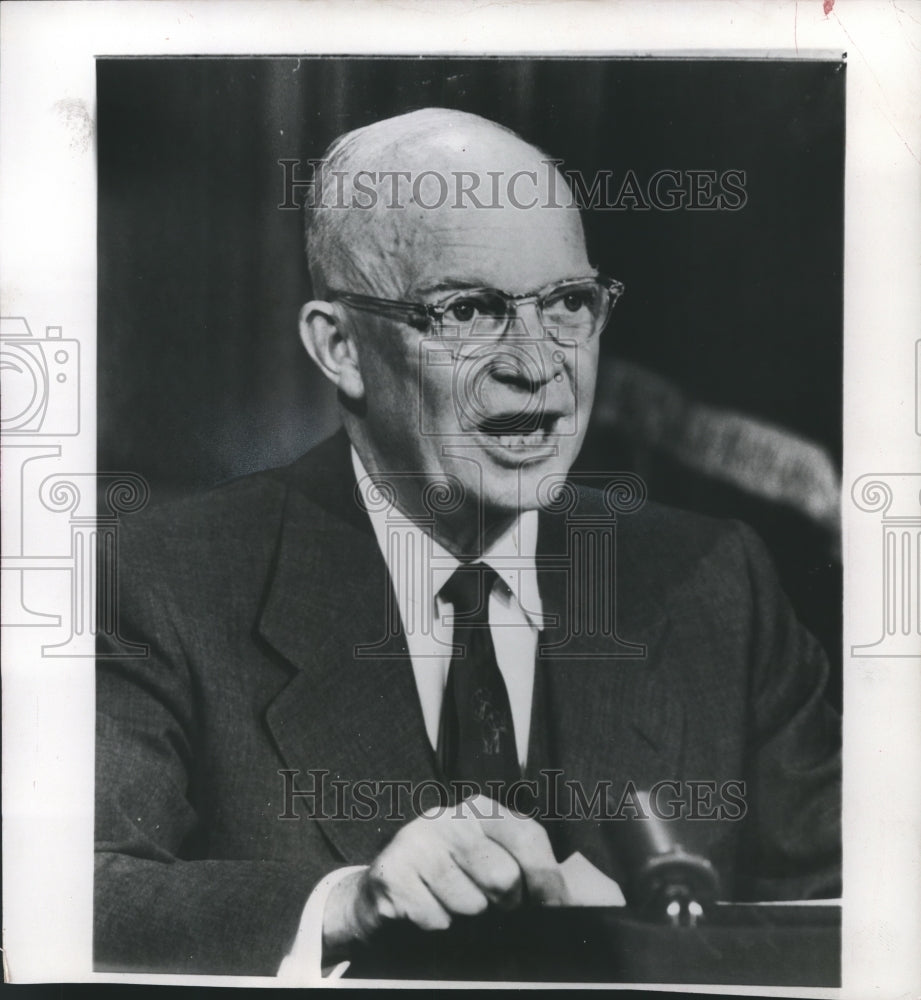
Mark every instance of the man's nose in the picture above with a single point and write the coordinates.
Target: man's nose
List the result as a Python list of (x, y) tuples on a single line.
[(527, 322), (528, 357)]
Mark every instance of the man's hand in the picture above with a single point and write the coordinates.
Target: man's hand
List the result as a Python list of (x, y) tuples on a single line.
[(442, 865)]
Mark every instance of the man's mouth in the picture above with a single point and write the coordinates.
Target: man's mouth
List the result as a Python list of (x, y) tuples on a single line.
[(522, 432)]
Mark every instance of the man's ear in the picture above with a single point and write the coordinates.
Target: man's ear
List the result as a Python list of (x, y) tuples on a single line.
[(332, 348)]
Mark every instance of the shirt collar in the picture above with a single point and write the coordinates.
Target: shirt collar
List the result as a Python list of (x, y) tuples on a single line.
[(512, 555)]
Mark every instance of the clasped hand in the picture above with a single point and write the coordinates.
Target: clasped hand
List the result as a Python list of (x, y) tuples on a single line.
[(443, 864)]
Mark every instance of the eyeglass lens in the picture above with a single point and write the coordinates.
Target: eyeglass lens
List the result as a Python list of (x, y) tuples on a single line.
[(577, 309)]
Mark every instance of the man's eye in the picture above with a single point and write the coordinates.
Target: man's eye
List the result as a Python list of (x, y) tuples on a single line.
[(575, 304), (472, 307), (461, 312), (573, 301)]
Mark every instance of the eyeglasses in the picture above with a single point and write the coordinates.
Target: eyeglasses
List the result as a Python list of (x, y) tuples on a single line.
[(576, 310)]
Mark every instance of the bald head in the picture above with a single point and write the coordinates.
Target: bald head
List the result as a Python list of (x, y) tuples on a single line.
[(390, 192)]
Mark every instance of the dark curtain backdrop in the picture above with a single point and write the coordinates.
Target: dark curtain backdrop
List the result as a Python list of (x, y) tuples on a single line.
[(201, 373)]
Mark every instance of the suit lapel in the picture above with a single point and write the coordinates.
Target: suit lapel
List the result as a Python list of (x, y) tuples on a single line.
[(351, 713), (606, 713)]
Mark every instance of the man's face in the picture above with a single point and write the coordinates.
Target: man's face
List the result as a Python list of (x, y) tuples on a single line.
[(497, 417)]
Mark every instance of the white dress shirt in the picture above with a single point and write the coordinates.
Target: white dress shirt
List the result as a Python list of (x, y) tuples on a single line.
[(419, 567)]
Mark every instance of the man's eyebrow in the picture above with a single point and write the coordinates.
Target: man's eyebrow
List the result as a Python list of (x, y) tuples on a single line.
[(459, 284), (452, 285)]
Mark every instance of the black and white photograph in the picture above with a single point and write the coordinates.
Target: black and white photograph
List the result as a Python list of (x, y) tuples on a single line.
[(329, 726), (455, 583)]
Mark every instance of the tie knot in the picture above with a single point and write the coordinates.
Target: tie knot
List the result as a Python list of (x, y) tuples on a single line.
[(468, 589)]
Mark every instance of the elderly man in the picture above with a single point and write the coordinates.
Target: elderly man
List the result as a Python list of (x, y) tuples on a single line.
[(396, 615)]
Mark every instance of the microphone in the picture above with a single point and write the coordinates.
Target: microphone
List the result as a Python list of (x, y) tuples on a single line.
[(665, 883)]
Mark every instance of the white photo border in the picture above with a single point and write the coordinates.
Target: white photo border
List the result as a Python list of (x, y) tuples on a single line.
[(48, 271)]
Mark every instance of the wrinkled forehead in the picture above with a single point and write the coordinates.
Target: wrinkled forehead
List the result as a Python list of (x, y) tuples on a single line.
[(515, 249), (471, 206)]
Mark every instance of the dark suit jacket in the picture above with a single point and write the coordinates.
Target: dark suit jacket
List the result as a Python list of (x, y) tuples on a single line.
[(252, 599)]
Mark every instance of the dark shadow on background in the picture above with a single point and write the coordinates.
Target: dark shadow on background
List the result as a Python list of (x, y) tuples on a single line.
[(201, 373)]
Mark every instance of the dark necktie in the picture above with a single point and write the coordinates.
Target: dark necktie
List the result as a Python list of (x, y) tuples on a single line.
[(476, 741)]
